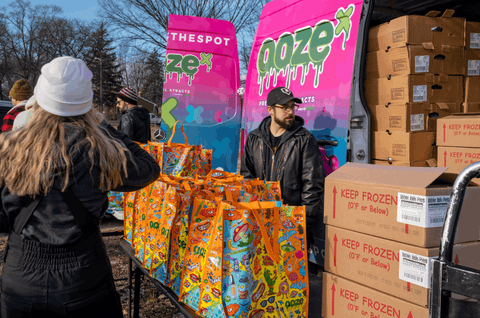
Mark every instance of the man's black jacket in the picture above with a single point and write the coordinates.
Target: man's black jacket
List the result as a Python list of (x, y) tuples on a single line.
[(296, 163), (135, 123)]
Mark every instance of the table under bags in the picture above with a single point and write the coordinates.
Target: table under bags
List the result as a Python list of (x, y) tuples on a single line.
[(227, 247)]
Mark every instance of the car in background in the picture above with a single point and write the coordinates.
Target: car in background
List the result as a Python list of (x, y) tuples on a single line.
[(154, 119)]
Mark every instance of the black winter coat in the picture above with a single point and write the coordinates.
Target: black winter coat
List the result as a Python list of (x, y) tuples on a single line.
[(135, 123), (52, 222), (296, 163)]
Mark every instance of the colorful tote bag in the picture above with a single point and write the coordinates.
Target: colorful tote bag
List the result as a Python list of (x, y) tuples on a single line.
[(264, 264), (156, 199), (176, 156), (140, 222), (115, 202), (129, 207), (159, 269), (201, 233), (178, 242)]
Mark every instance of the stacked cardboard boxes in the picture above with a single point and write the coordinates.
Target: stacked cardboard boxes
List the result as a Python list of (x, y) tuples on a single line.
[(383, 227), (472, 68), (458, 141), (415, 69)]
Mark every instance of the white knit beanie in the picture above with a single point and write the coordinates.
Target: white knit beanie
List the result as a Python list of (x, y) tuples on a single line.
[(65, 87)]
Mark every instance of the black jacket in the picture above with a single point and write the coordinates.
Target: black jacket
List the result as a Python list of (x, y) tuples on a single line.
[(52, 222), (296, 164), (135, 123)]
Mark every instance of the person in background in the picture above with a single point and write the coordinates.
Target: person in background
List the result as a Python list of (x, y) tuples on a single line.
[(54, 177), (22, 119), (135, 122), (280, 149), (19, 94)]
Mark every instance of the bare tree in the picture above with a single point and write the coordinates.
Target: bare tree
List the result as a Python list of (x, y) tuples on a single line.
[(32, 36), (133, 63), (146, 21)]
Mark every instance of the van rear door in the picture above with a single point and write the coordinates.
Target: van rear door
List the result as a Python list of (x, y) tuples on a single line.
[(202, 76), (307, 46)]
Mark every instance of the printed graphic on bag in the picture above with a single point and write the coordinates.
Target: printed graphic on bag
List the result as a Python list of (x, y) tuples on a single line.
[(175, 158), (198, 164), (178, 242), (115, 202), (260, 278), (199, 236), (129, 204), (211, 290), (156, 201), (160, 256), (141, 222)]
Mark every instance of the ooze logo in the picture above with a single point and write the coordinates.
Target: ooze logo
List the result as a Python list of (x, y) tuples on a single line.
[(188, 64), (307, 46)]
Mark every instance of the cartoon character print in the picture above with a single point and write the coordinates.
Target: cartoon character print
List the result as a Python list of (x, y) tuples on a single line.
[(165, 222), (178, 243), (210, 296), (286, 283), (174, 158), (141, 222), (239, 280), (202, 226), (156, 198), (252, 279), (129, 204)]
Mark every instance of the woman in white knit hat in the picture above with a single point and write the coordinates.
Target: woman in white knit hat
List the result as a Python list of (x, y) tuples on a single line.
[(54, 177)]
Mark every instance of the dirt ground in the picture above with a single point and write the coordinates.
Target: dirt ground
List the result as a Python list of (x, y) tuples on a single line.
[(152, 303)]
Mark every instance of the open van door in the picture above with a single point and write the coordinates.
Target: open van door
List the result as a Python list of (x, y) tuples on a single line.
[(202, 76), (307, 46)]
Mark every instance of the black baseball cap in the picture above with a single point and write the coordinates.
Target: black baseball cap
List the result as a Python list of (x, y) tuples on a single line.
[(281, 96)]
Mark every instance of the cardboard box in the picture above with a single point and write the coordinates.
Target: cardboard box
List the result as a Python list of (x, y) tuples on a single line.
[(414, 29), (458, 158), (423, 163), (416, 59), (472, 89), (395, 268), (472, 62), (403, 146), (404, 204), (426, 89), (470, 108), (472, 35), (410, 117), (472, 95), (459, 130), (344, 298)]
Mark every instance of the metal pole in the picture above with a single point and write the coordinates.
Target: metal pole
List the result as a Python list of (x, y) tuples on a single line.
[(136, 293), (129, 287), (453, 211)]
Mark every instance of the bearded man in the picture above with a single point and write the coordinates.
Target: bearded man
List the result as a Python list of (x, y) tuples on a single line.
[(280, 149), (135, 121)]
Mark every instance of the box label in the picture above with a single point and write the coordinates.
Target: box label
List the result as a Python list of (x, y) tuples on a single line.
[(395, 121), (397, 93), (414, 268), (475, 40), (422, 63), (422, 211), (398, 36), (419, 93), (417, 122), (399, 150), (399, 65), (473, 67)]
